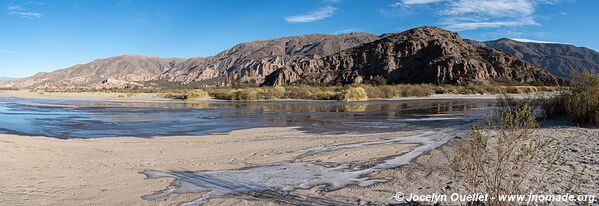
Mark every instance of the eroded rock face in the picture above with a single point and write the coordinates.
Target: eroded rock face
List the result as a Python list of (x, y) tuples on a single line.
[(249, 63), (244, 64), (121, 68), (420, 55)]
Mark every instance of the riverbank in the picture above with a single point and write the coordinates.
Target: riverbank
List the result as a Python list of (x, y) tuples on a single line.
[(159, 97), (108, 171)]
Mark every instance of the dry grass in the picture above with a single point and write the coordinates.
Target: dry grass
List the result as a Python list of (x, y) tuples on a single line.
[(501, 163), (195, 94), (581, 103), (319, 92), (353, 94)]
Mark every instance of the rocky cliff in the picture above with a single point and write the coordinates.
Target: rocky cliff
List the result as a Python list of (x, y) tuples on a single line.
[(246, 63), (560, 59), (420, 55), (120, 71)]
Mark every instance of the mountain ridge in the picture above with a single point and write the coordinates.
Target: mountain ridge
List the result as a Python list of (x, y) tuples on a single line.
[(559, 59), (420, 55), (245, 64)]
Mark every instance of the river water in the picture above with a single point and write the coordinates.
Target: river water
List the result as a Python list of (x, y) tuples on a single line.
[(432, 123), (94, 119)]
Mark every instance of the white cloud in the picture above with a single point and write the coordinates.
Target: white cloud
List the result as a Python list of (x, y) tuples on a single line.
[(316, 15), (416, 2), (535, 41), (345, 31), (471, 25), (22, 12), (475, 14)]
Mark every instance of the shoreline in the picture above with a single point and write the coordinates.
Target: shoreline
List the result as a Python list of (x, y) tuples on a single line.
[(157, 97), (109, 171)]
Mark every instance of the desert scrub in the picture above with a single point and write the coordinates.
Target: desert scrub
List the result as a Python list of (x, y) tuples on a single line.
[(353, 94), (581, 103), (503, 157), (420, 90), (195, 94)]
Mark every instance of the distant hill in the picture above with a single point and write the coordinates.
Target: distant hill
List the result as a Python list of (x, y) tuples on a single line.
[(120, 71), (559, 59), (420, 55), (246, 63), (5, 79)]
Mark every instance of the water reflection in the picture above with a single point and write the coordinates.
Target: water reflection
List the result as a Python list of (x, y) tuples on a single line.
[(90, 119)]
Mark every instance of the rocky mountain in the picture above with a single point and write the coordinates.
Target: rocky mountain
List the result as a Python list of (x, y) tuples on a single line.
[(246, 63), (120, 71), (559, 59), (420, 55)]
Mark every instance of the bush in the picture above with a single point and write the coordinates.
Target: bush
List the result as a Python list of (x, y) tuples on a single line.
[(581, 103), (501, 163), (421, 90), (173, 95), (196, 94), (353, 94)]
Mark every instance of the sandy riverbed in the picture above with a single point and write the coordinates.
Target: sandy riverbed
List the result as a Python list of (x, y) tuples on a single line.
[(106, 171)]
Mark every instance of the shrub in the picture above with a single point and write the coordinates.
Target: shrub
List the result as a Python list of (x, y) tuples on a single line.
[(298, 93), (501, 163), (173, 95), (353, 94), (421, 90), (184, 94), (581, 103), (196, 94)]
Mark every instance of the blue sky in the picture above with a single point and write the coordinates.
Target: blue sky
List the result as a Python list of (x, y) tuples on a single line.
[(47, 35)]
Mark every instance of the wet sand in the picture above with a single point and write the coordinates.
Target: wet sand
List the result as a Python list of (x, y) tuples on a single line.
[(107, 171)]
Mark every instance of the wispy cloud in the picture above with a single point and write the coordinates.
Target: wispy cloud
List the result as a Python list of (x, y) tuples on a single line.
[(345, 31), (18, 10), (5, 51), (475, 14), (535, 41), (316, 15)]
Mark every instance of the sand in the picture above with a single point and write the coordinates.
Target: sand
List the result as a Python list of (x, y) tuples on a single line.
[(137, 97), (106, 171)]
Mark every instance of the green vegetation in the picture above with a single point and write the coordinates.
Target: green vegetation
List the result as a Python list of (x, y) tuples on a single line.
[(580, 103), (9, 89)]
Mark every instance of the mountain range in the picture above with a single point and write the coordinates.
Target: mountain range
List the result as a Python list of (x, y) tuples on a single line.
[(559, 59), (420, 55)]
